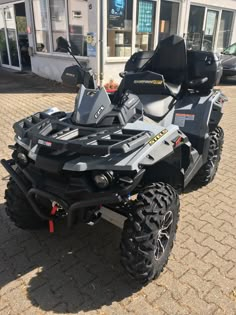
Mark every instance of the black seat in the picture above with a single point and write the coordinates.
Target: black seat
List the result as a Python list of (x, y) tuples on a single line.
[(158, 82), (170, 60), (156, 106)]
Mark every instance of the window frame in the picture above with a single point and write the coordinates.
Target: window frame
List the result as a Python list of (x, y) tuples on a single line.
[(179, 20), (232, 24), (52, 53), (123, 59), (210, 7), (155, 26), (114, 59)]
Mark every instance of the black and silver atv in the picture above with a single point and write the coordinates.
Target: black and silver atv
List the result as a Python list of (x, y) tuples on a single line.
[(129, 152)]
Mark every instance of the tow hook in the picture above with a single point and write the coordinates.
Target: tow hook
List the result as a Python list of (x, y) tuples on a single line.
[(55, 207)]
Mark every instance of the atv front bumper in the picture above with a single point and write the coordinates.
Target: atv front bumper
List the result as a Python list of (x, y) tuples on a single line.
[(94, 200)]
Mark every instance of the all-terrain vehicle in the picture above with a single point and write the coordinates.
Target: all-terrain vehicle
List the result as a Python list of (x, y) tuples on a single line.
[(132, 152)]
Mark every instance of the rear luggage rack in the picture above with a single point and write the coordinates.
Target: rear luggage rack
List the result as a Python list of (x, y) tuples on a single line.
[(50, 132)]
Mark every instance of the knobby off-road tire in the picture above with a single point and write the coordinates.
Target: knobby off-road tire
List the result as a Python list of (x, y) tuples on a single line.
[(19, 210), (208, 171), (149, 232)]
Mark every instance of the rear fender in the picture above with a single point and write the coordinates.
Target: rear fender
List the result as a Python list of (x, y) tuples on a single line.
[(217, 110), (196, 115)]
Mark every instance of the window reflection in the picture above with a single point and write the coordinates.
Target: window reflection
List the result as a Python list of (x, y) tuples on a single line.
[(225, 30), (58, 22), (3, 43), (78, 26), (145, 25), (119, 28), (168, 19), (195, 27), (41, 25), (11, 36)]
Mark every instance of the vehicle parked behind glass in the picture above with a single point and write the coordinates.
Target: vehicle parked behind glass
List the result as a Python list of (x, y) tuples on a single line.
[(229, 61)]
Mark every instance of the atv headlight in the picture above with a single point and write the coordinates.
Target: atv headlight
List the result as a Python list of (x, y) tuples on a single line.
[(103, 180), (22, 158)]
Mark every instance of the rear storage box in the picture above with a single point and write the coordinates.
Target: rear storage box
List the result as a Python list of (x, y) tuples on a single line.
[(203, 64)]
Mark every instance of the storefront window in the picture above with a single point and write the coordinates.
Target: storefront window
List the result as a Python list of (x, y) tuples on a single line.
[(3, 43), (78, 26), (41, 25), (168, 19), (225, 30), (145, 25), (58, 21), (119, 28), (202, 35), (11, 36), (209, 34), (195, 27)]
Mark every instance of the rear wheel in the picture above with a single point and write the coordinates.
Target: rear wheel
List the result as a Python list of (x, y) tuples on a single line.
[(149, 232), (208, 170), (19, 210)]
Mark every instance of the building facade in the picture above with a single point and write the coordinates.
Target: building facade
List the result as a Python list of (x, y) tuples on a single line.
[(104, 33)]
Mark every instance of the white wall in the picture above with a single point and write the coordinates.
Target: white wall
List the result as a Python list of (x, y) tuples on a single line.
[(112, 70), (50, 67)]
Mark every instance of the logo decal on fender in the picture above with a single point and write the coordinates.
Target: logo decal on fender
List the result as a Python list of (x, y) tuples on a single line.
[(158, 137), (153, 82), (99, 112)]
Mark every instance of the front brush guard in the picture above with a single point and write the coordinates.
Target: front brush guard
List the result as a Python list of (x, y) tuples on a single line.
[(97, 199)]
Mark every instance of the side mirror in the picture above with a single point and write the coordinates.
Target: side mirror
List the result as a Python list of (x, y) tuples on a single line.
[(62, 44)]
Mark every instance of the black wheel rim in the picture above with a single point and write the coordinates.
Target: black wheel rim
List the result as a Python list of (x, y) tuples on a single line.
[(163, 235)]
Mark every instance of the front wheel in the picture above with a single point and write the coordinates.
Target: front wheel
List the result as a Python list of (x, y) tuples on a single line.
[(19, 210), (149, 232)]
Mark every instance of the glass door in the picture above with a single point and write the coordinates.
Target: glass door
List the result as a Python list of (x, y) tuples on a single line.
[(3, 42), (169, 16), (225, 31), (10, 55), (195, 27), (209, 34)]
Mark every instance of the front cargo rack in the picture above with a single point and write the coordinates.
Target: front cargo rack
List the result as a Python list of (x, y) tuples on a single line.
[(49, 131)]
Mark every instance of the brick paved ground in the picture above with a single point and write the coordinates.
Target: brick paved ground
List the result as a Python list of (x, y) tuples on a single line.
[(79, 272)]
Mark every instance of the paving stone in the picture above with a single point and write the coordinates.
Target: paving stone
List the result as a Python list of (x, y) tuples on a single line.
[(198, 305), (196, 264), (201, 286), (167, 303), (231, 255), (219, 248), (220, 263), (226, 284), (218, 298)]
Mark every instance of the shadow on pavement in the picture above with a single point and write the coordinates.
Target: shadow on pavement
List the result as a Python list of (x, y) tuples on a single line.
[(70, 271), (26, 82)]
